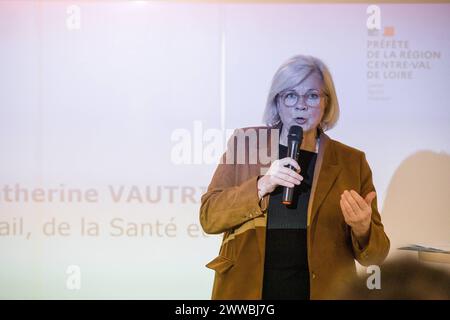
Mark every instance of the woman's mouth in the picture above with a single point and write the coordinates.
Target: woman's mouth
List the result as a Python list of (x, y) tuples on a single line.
[(300, 120)]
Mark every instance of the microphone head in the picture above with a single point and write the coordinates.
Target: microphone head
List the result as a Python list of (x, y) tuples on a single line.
[(295, 134)]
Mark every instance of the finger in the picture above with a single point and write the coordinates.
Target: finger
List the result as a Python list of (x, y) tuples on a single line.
[(287, 177), (359, 200), (343, 209), (346, 210), (369, 198), (292, 162), (276, 166), (292, 173), (352, 202), (350, 211), (284, 183)]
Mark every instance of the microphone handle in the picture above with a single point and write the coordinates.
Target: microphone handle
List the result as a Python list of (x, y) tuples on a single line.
[(292, 153)]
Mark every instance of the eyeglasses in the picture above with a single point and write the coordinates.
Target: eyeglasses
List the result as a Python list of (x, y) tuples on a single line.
[(292, 99)]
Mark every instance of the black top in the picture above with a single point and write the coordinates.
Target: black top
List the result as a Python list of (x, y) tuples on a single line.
[(286, 274)]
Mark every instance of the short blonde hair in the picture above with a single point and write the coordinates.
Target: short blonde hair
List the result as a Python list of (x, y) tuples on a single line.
[(288, 76)]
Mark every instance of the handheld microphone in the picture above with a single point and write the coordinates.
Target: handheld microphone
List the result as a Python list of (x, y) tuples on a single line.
[(295, 137)]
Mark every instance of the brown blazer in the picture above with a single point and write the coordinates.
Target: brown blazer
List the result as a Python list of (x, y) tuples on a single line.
[(231, 206)]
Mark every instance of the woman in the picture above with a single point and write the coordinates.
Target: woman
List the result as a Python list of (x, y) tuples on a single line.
[(273, 251)]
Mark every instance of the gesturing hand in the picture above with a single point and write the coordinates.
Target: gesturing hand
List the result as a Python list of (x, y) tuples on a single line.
[(357, 211), (278, 174)]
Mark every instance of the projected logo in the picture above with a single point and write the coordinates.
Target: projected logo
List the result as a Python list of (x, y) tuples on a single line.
[(391, 57)]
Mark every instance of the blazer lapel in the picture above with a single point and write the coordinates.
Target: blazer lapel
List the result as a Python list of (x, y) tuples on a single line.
[(326, 171)]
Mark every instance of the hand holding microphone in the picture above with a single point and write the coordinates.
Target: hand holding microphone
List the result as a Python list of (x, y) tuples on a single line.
[(282, 172), (279, 175)]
